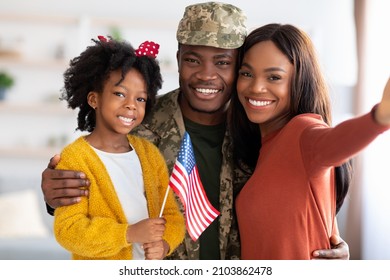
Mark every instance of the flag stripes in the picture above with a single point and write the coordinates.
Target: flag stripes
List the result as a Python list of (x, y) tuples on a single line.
[(185, 182)]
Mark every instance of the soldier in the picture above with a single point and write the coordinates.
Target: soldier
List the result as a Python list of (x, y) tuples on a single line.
[(209, 36)]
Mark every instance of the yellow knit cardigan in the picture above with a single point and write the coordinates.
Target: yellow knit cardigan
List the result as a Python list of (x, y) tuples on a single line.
[(96, 227)]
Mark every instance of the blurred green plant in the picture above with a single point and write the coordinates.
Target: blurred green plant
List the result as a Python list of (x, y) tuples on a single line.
[(6, 80), (115, 33)]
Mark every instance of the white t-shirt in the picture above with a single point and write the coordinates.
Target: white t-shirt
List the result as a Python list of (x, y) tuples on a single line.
[(126, 175)]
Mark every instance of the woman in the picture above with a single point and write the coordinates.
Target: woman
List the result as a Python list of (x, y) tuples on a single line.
[(281, 125)]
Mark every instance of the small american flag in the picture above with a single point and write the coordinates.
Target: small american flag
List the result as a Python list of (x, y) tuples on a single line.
[(185, 182)]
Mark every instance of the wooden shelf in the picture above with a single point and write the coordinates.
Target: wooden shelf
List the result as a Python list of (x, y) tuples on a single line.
[(93, 21), (36, 108), (25, 153), (37, 18), (16, 61)]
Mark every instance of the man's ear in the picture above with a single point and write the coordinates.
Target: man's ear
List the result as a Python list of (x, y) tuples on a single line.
[(92, 99), (178, 59)]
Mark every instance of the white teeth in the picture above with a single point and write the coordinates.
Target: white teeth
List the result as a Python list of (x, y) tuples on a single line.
[(259, 103), (207, 90), (128, 120)]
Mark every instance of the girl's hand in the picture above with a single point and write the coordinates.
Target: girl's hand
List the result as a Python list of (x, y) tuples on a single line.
[(382, 113), (147, 230), (156, 250)]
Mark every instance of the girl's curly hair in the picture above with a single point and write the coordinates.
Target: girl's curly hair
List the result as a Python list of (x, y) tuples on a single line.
[(91, 69)]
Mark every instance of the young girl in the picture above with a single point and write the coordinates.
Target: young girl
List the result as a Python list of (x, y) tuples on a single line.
[(281, 128), (113, 86)]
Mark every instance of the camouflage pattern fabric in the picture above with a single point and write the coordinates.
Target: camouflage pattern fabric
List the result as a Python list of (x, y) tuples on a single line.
[(164, 127), (212, 24)]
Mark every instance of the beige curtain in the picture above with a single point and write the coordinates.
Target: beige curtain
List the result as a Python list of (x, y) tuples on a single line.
[(354, 225)]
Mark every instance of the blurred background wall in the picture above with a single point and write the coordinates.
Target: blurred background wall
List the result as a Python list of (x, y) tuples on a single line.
[(38, 38)]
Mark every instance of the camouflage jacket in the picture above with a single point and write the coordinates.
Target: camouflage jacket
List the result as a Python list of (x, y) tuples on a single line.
[(164, 126)]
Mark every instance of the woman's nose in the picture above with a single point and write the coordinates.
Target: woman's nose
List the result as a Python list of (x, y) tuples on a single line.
[(259, 86)]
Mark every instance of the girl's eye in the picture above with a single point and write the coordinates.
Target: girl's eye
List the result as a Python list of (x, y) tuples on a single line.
[(141, 99), (119, 94)]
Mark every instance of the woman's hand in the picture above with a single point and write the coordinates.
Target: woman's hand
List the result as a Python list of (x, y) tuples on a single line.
[(382, 112)]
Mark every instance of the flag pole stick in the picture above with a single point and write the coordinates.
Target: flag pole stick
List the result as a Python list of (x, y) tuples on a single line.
[(165, 200)]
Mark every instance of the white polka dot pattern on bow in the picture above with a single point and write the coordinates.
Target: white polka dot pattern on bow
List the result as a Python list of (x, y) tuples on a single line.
[(148, 48)]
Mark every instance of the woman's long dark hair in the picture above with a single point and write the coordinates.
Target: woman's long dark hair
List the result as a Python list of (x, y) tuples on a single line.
[(309, 94)]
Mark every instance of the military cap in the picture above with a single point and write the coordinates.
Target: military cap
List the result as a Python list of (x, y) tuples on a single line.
[(212, 24)]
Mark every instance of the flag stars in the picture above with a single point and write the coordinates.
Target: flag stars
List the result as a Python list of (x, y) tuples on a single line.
[(186, 155)]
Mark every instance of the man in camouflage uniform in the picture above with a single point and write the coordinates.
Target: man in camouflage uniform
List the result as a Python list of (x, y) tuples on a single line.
[(219, 26), (209, 36)]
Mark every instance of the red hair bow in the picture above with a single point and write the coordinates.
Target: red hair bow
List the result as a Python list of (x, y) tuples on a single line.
[(102, 38), (148, 48)]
